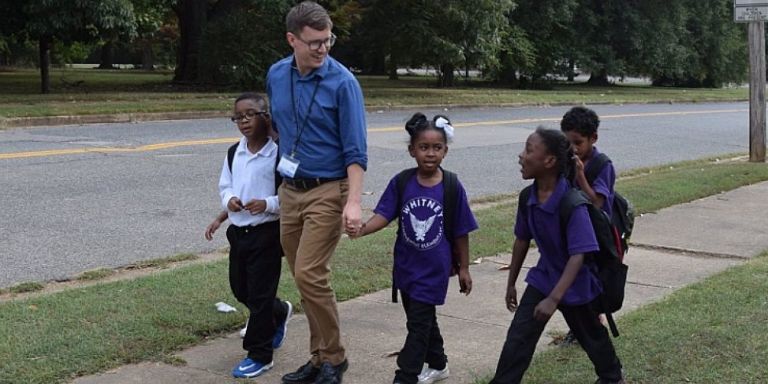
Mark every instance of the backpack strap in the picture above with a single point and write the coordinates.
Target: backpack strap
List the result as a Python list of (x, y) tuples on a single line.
[(231, 155), (450, 198), (595, 166)]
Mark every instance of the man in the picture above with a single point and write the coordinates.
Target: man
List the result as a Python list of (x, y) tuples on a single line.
[(317, 107)]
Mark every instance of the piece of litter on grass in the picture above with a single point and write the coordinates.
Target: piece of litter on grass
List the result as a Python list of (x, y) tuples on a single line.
[(392, 354), (224, 307), (504, 268)]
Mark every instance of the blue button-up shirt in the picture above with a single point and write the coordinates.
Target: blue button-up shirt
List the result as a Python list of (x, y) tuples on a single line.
[(334, 136)]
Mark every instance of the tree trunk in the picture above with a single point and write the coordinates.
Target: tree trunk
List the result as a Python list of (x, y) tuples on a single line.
[(107, 57), (571, 70), (192, 19), (44, 46), (600, 78), (392, 66), (446, 77), (147, 56)]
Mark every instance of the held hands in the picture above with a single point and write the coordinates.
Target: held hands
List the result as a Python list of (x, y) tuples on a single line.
[(465, 281), (353, 219), (545, 309)]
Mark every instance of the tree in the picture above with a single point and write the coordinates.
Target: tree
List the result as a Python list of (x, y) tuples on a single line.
[(544, 28), (73, 20)]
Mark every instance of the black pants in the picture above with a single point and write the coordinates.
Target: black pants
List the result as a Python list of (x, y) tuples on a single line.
[(424, 344), (525, 331), (254, 273)]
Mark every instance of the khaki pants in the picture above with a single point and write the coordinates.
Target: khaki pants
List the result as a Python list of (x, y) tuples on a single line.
[(310, 228)]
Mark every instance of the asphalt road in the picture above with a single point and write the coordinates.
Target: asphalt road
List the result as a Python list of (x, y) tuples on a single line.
[(81, 197)]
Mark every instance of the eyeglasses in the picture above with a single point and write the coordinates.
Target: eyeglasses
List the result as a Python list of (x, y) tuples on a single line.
[(316, 44), (247, 116)]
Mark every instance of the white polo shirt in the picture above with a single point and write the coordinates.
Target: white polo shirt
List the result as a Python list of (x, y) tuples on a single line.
[(252, 177)]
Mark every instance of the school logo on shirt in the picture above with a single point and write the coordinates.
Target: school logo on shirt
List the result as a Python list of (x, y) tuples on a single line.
[(422, 223)]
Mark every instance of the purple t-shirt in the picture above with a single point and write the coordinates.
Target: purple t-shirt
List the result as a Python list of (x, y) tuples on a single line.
[(604, 182), (422, 251), (542, 223)]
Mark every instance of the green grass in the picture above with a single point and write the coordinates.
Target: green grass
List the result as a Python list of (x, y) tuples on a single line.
[(89, 92), (55, 337)]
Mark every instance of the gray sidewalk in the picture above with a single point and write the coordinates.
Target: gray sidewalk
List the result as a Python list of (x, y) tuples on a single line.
[(672, 248)]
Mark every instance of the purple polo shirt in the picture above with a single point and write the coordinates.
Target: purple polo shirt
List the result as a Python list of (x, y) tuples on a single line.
[(542, 223), (422, 251), (604, 182)]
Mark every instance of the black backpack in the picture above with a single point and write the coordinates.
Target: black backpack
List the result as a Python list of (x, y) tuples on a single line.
[(450, 197), (231, 157), (610, 269), (622, 210)]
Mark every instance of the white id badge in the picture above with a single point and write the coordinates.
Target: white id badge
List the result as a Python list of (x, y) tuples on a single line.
[(288, 166)]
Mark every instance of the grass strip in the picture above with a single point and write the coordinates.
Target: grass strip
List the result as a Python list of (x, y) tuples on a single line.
[(89, 92), (53, 338)]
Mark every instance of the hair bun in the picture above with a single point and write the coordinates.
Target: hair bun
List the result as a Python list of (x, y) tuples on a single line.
[(416, 121)]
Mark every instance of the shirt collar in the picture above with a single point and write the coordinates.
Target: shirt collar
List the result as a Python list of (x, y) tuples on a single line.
[(554, 200), (320, 72), (265, 151)]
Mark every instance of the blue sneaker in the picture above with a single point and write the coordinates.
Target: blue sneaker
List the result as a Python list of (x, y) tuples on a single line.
[(282, 328), (249, 368)]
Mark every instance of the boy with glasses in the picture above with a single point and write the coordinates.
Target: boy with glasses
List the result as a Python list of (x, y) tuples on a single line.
[(247, 187)]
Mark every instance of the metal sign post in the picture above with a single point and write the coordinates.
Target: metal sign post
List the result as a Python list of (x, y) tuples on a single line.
[(755, 12)]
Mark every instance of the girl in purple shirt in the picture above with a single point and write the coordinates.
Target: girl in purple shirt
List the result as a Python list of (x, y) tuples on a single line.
[(423, 253), (560, 280)]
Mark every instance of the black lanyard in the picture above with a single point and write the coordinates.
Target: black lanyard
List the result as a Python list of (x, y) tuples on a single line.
[(300, 128)]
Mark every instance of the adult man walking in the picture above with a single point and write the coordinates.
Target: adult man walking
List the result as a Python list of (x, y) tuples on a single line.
[(317, 107)]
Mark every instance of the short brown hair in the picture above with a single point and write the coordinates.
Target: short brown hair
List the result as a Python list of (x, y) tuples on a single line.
[(307, 14)]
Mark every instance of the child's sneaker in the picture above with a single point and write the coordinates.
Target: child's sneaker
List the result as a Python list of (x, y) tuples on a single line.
[(429, 375), (245, 329), (249, 368), (282, 328)]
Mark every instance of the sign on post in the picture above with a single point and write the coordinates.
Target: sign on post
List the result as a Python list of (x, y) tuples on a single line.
[(750, 10)]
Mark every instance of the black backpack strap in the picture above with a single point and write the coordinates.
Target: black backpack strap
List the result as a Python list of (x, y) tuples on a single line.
[(450, 200), (401, 181), (522, 200), (231, 155), (595, 166), (572, 199)]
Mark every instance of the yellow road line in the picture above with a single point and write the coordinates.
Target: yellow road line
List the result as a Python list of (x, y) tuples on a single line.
[(188, 143), (557, 119), (143, 148)]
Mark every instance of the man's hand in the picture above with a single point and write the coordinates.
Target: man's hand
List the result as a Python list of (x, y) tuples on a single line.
[(511, 298), (465, 281), (352, 217)]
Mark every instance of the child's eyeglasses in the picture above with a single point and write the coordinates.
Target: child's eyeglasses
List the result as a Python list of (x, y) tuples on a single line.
[(247, 116), (316, 44)]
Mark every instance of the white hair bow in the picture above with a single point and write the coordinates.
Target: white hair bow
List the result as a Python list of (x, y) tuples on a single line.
[(446, 126)]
